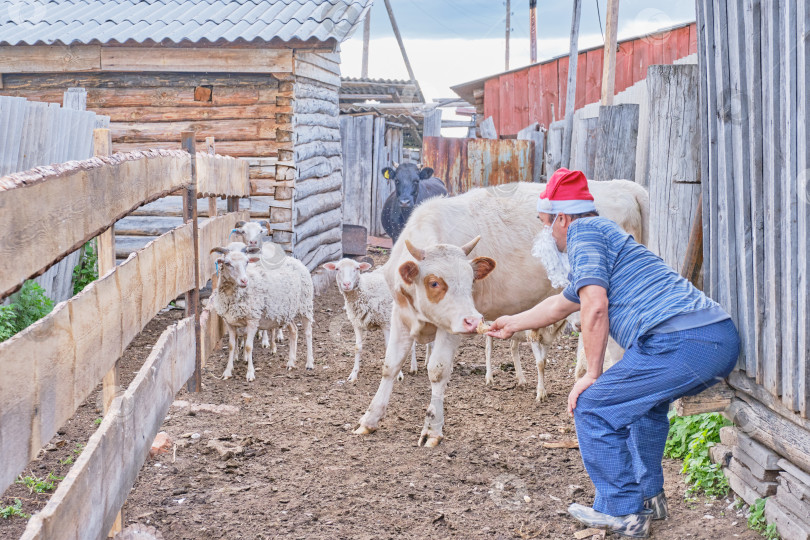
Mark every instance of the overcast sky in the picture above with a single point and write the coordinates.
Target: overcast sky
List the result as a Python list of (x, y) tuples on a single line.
[(454, 41)]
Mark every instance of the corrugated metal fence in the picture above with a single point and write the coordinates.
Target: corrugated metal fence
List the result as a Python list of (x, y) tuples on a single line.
[(34, 134)]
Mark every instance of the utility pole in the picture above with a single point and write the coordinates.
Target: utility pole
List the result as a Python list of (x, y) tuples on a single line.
[(508, 28), (366, 35), (609, 68), (532, 31), (572, 85)]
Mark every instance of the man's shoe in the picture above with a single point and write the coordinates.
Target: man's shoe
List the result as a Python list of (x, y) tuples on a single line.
[(631, 525), (658, 505)]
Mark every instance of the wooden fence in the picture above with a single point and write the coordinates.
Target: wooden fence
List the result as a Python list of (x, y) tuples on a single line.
[(51, 367), (35, 134), (754, 81)]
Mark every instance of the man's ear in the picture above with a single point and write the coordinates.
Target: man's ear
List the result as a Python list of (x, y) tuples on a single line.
[(389, 173), (482, 266), (408, 272), (425, 173)]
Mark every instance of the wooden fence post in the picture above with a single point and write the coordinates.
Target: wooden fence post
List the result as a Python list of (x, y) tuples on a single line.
[(212, 201), (105, 245), (616, 142), (193, 295)]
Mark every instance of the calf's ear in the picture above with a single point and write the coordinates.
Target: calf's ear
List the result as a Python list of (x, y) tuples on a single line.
[(426, 173), (482, 266), (389, 173), (408, 272)]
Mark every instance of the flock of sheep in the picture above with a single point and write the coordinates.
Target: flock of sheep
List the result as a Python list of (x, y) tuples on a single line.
[(262, 290)]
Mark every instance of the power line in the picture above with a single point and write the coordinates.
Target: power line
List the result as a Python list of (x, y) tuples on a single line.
[(599, 15)]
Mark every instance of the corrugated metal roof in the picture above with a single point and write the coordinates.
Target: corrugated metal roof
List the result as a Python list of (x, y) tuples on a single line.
[(69, 22)]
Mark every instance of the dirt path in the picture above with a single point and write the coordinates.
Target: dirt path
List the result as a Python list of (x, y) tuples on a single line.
[(301, 473)]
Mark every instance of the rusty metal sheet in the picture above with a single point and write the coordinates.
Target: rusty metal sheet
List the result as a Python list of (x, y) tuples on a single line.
[(467, 163), (495, 162), (447, 156)]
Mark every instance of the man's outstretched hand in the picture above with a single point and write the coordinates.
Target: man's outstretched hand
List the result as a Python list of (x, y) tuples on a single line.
[(579, 387), (503, 327)]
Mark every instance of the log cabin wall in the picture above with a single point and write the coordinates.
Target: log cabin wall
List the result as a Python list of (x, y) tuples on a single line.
[(316, 213)]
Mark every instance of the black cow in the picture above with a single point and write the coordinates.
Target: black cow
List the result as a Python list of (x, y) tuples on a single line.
[(412, 187)]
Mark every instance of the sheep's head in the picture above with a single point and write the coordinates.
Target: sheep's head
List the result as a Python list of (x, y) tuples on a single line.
[(251, 232), (348, 272), (233, 261)]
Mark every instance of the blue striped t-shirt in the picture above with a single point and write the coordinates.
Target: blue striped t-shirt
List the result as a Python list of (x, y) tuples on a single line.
[(644, 294)]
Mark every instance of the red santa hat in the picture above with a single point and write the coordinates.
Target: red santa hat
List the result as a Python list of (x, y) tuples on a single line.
[(567, 193)]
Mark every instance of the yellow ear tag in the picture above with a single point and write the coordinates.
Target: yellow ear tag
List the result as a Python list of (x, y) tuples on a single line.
[(385, 174)]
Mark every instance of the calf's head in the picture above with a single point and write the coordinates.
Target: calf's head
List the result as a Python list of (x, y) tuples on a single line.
[(438, 285), (232, 263), (348, 273), (406, 178), (250, 232)]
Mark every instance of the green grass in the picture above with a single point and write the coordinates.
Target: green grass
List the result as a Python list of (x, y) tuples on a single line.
[(39, 485), (28, 306), (690, 438), (756, 521), (86, 271), (97, 421), (13, 510)]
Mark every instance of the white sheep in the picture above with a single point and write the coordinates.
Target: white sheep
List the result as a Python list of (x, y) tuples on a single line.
[(368, 303), (252, 297), (539, 340), (251, 233)]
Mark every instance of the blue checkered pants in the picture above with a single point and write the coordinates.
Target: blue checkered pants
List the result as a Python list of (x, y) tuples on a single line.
[(621, 419)]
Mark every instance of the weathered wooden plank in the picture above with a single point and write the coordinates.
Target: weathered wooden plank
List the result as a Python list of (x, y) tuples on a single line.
[(12, 117), (189, 59), (764, 488), (80, 197), (714, 399), (786, 497), (304, 67), (799, 479), (584, 142), (616, 142), (87, 501), (326, 252), (311, 243), (147, 113), (310, 207), (803, 192), (705, 14), (227, 148), (356, 139), (331, 219), (673, 173), (787, 524), (115, 82), (49, 59), (380, 186), (219, 176), (771, 429), (537, 135), (231, 130), (741, 487)]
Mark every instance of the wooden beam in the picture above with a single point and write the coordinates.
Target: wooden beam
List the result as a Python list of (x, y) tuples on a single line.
[(532, 31), (86, 502), (50, 212), (191, 59), (609, 57), (193, 294), (49, 58), (399, 40), (572, 84), (366, 36), (508, 31)]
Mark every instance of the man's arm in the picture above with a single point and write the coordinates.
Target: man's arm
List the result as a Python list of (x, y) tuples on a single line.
[(595, 330), (552, 309)]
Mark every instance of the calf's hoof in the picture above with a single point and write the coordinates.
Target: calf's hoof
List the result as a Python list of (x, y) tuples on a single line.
[(352, 377), (521, 382), (364, 430), (400, 376), (542, 395), (310, 367), (490, 379), (251, 376), (227, 375), (430, 441)]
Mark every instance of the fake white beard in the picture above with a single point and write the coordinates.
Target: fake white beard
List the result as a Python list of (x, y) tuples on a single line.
[(556, 262)]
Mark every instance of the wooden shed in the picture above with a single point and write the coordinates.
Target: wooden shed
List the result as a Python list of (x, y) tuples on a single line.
[(262, 77)]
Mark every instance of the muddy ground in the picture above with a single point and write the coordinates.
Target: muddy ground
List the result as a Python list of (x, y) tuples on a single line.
[(301, 473)]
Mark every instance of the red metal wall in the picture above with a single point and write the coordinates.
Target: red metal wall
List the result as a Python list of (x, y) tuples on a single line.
[(516, 99)]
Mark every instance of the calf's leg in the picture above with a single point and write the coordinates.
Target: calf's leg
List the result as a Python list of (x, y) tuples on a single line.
[(386, 335), (514, 347), (540, 352), (439, 370), (399, 344)]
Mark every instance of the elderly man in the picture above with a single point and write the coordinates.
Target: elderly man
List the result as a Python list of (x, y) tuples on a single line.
[(678, 341)]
